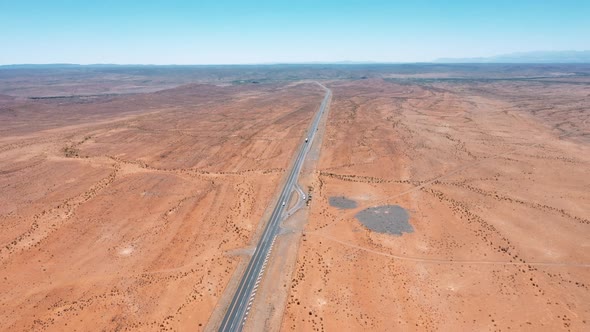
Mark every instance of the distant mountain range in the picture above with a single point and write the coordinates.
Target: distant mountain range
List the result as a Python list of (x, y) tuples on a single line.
[(521, 57), (527, 57)]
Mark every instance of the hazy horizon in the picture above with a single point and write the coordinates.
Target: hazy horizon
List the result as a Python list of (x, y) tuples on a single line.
[(554, 57), (271, 32)]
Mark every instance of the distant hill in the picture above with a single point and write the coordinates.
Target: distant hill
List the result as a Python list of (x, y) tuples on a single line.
[(527, 57), (40, 66)]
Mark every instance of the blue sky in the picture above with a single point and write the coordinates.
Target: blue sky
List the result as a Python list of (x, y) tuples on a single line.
[(211, 32)]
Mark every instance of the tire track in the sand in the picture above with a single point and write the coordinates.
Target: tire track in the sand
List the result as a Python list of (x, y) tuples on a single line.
[(416, 188), (447, 261)]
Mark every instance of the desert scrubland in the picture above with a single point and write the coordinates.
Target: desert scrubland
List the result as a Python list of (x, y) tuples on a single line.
[(494, 177), (123, 212), (445, 197)]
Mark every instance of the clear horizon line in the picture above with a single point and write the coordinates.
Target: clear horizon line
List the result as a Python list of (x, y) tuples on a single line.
[(434, 62), (212, 64), (439, 60)]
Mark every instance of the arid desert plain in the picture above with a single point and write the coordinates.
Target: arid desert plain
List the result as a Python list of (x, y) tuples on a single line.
[(438, 197)]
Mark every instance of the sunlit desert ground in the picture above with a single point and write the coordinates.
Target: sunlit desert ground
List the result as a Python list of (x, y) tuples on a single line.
[(130, 199), (494, 177), (123, 212)]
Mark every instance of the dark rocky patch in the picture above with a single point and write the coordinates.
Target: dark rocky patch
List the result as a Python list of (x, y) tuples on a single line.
[(342, 202), (390, 219)]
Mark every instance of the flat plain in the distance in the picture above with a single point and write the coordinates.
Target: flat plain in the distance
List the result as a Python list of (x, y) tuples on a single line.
[(129, 196)]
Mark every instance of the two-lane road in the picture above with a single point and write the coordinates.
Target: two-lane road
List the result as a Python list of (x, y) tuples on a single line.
[(239, 307)]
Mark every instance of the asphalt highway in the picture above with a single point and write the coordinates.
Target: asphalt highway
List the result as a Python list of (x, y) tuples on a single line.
[(235, 316)]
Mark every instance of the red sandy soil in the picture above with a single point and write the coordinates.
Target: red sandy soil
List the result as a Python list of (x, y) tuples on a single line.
[(129, 212), (495, 179), (118, 212)]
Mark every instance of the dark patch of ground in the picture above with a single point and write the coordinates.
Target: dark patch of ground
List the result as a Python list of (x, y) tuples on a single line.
[(390, 219), (342, 202)]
